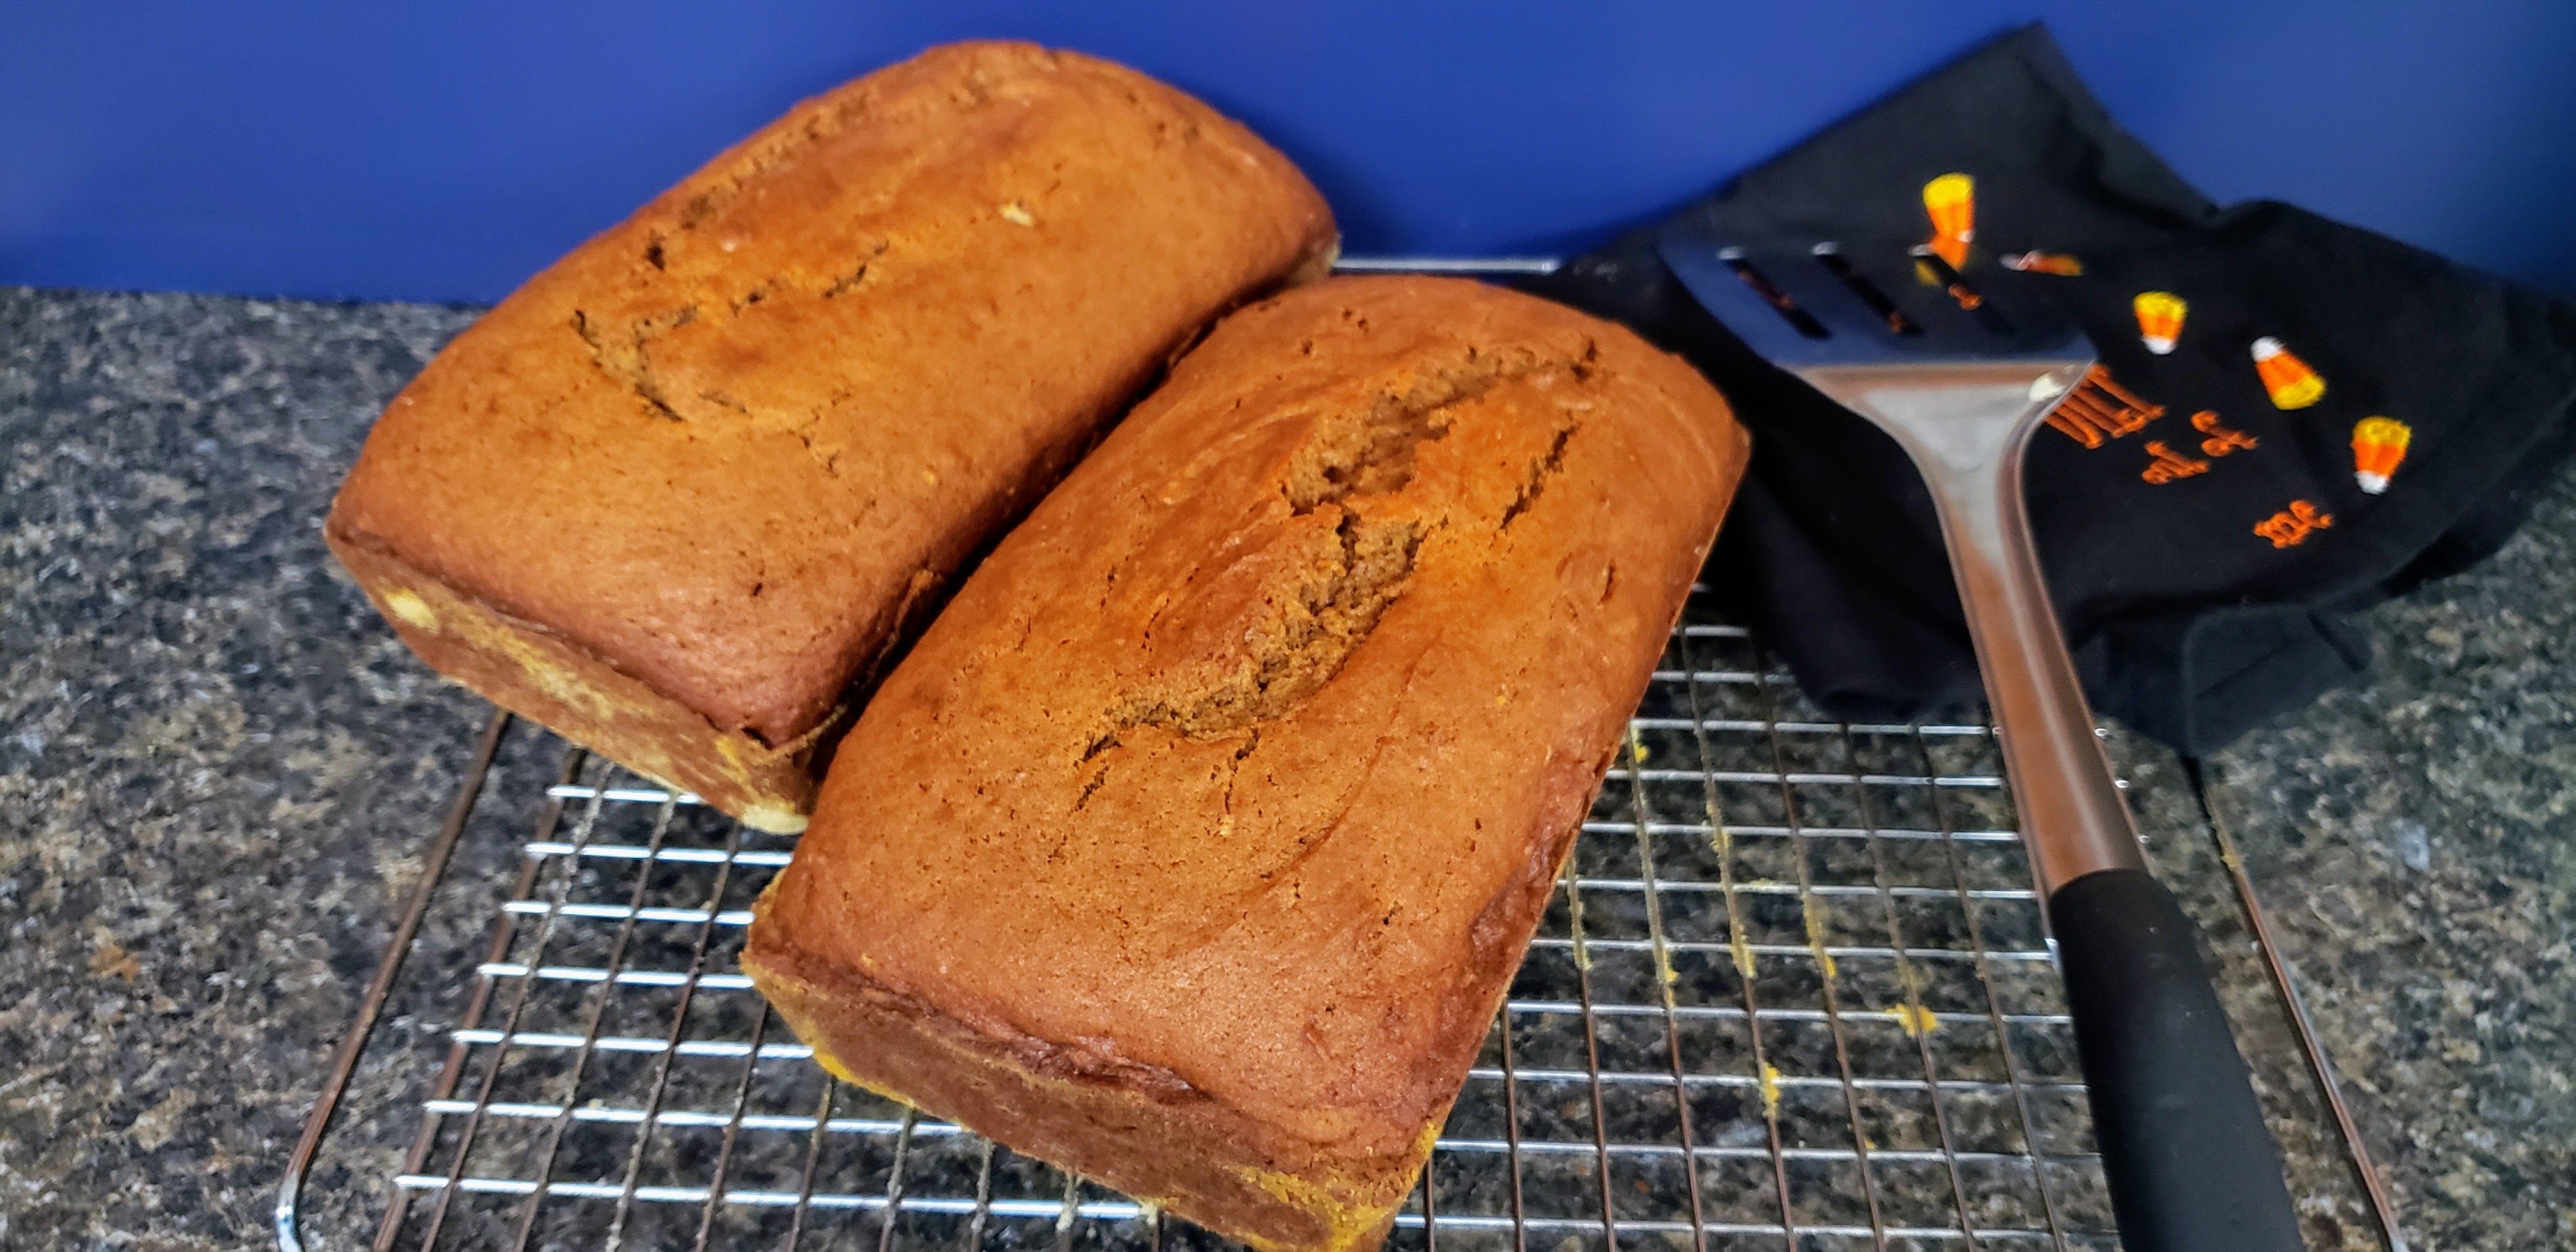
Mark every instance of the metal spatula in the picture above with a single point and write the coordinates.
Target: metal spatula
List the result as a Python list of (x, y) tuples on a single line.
[(1961, 378)]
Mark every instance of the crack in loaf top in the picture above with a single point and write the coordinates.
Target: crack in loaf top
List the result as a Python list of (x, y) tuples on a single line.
[(715, 440), (1231, 762)]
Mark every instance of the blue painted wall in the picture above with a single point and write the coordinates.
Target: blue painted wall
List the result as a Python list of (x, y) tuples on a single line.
[(443, 151)]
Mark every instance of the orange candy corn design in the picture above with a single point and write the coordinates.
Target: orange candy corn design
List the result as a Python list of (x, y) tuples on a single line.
[(2160, 315), (2043, 263), (1951, 199), (2292, 384), (2378, 445)]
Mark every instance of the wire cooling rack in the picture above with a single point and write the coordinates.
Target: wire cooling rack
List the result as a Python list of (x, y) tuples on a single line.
[(1792, 993)]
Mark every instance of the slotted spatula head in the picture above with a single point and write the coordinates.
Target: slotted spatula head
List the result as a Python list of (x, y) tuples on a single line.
[(1872, 302), (1891, 331)]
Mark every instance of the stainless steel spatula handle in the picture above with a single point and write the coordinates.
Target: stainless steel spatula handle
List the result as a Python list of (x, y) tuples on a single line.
[(2191, 1166), (1965, 425)]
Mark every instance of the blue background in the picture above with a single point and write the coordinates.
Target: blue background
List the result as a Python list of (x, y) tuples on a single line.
[(444, 151)]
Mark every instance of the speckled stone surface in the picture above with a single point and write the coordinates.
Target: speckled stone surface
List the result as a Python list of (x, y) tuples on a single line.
[(217, 770), (215, 765), (2415, 842)]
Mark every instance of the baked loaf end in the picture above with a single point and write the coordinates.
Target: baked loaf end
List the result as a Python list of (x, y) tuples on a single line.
[(679, 496), (1195, 844)]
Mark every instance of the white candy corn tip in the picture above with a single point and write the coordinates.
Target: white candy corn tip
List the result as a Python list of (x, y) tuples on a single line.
[(2372, 483), (2161, 345), (2266, 348)]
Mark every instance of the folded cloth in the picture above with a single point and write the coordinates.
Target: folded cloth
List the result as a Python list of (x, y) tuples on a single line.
[(2293, 419)]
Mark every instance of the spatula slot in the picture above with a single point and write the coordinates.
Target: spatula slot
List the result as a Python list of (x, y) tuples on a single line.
[(1867, 292), (1961, 289), (1802, 321)]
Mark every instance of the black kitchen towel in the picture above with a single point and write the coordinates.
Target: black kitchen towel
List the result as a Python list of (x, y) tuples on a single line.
[(2293, 419)]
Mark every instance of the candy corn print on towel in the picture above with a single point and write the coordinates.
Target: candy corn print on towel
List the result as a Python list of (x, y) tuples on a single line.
[(2293, 419)]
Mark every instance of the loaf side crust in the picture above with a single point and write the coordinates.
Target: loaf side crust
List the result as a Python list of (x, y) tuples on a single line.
[(540, 675), (1195, 845), (1137, 1130)]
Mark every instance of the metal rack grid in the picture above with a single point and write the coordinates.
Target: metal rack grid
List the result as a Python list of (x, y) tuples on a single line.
[(1792, 993)]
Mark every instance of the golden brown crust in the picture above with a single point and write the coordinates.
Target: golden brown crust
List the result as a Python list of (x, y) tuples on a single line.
[(538, 674), (1230, 787), (718, 447)]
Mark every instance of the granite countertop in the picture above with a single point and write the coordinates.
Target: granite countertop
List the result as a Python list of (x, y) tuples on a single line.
[(217, 770)]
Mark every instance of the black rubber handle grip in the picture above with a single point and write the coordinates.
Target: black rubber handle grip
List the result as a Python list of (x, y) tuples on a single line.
[(2191, 1166)]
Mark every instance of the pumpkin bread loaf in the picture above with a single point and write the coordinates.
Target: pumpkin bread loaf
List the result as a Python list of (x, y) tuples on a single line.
[(680, 495), (1195, 844)]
